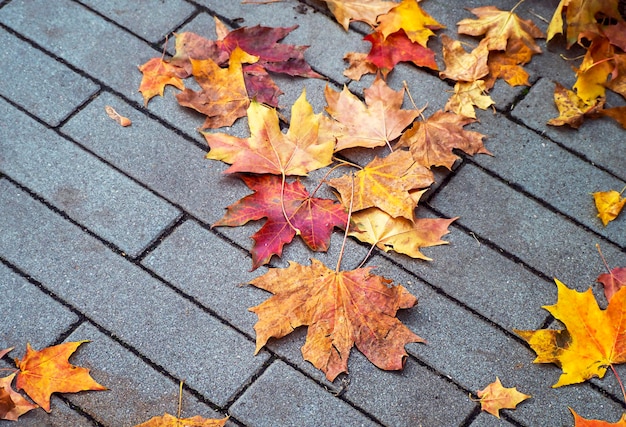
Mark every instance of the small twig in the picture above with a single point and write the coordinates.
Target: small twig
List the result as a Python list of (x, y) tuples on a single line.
[(180, 400), (345, 235), (619, 381)]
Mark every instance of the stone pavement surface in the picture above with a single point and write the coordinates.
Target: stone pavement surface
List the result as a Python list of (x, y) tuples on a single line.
[(105, 232)]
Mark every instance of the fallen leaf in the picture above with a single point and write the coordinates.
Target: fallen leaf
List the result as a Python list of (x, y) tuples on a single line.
[(157, 74), (495, 397), (224, 97), (358, 10), (593, 339), (400, 235), (618, 82), (616, 34), (121, 120), (374, 123), (358, 65), (268, 149), (48, 371), (167, 420), (572, 109), (410, 17), (20, 405), (6, 403), (613, 281), (583, 422), (592, 75), (499, 27), (431, 142), (385, 183), (463, 66), (341, 309), (616, 113), (609, 205), (468, 95), (386, 52), (581, 16), (313, 218), (507, 65)]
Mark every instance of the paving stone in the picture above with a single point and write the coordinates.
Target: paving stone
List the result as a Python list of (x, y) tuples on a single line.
[(152, 20), (523, 227), (172, 166), (76, 182), (38, 83), (487, 420), (483, 279), (598, 140), (551, 174), (124, 299), (136, 392), (297, 401), (89, 43), (473, 352), (31, 316)]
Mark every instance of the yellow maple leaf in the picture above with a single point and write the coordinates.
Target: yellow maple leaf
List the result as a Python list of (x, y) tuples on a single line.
[(581, 16), (593, 339), (609, 205), (495, 397), (358, 10), (594, 71), (463, 66), (466, 96), (410, 17), (572, 109)]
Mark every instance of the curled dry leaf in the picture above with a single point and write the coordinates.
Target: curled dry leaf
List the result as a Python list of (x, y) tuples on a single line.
[(572, 109), (609, 205), (341, 309), (20, 405), (580, 16), (121, 120), (495, 397)]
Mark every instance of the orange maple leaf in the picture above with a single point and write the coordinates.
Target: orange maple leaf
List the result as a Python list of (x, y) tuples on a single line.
[(167, 420), (499, 27), (385, 183), (157, 74), (358, 10), (19, 406), (583, 422), (593, 340), (507, 65), (400, 235), (463, 66), (431, 141), (268, 150), (572, 109), (224, 97), (495, 397), (468, 95), (341, 309), (376, 123), (410, 17), (609, 205), (48, 371), (358, 65)]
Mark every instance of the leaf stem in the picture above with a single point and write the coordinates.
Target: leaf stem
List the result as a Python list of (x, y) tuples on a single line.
[(282, 203), (345, 235), (619, 381), (603, 260), (331, 171), (518, 3), (180, 399)]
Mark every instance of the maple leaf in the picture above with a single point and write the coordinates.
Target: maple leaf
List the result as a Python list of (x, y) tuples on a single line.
[(594, 70), (495, 397), (386, 52), (401, 235), (48, 371), (358, 65), (223, 98), (616, 113), (431, 141), (358, 10), (572, 109), (6, 404), (613, 281), (287, 209), (507, 65), (156, 75), (583, 422), (385, 183), (581, 16), (167, 420), (499, 27), (410, 17), (268, 150), (341, 309), (466, 96), (463, 66), (593, 340), (19, 406), (376, 123), (609, 205)]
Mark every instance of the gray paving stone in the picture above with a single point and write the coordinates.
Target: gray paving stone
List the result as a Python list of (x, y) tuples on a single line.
[(600, 140), (124, 299), (152, 20), (38, 83), (487, 420), (79, 184), (136, 392), (473, 352), (539, 237), (170, 165), (551, 174), (89, 43), (296, 401), (31, 315)]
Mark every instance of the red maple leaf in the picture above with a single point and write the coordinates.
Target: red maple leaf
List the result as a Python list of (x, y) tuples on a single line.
[(314, 218), (397, 47)]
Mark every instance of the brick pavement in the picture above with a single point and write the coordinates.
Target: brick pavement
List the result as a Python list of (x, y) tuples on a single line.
[(105, 232)]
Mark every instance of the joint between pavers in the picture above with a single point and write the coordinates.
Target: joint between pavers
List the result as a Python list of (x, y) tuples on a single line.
[(151, 246)]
